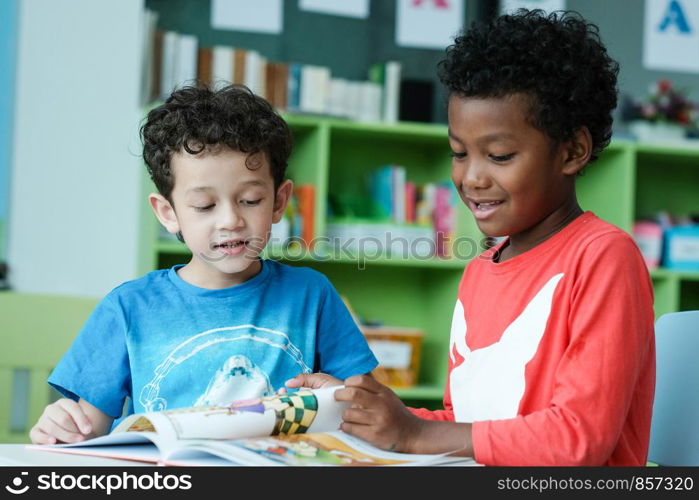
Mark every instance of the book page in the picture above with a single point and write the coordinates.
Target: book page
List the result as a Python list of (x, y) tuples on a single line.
[(333, 448), (302, 411)]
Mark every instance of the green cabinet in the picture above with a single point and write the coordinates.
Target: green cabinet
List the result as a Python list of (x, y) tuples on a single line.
[(629, 180)]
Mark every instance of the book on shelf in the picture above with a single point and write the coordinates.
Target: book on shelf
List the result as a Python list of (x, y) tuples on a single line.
[(443, 216), (305, 195), (294, 429), (293, 87), (205, 65), (185, 65), (388, 75), (178, 55), (222, 64), (398, 180), (148, 54), (410, 202), (381, 185)]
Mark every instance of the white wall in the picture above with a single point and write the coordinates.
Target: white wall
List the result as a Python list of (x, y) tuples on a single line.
[(75, 176)]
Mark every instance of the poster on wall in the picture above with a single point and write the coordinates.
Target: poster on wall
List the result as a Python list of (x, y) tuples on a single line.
[(507, 6), (345, 8), (671, 35), (428, 24), (260, 16)]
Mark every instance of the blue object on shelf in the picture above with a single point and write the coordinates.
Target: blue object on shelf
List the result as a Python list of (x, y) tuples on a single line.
[(682, 248)]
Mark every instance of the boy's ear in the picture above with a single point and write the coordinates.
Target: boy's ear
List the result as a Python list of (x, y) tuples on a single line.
[(281, 200), (578, 151), (164, 212)]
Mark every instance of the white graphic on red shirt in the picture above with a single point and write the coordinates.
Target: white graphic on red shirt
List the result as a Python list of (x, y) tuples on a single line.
[(489, 383)]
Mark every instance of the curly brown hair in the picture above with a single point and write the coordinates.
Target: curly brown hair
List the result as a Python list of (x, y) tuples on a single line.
[(557, 60), (196, 118)]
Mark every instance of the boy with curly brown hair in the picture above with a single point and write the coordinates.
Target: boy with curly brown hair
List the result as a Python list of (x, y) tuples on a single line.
[(228, 325)]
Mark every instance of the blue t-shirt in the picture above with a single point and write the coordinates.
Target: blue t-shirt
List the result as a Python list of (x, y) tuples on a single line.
[(166, 344)]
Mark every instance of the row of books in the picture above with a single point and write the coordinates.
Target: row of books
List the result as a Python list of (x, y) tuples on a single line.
[(298, 222), (405, 202), (174, 59)]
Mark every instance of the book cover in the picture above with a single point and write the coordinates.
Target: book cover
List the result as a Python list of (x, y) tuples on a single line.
[(391, 102), (381, 190), (205, 65), (148, 55), (156, 66), (280, 87), (222, 65), (424, 205), (185, 71), (307, 84), (410, 193), (305, 194), (168, 63), (398, 180), (443, 220), (239, 65), (294, 87)]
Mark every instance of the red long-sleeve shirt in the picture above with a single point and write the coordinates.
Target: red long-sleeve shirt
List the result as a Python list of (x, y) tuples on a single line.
[(552, 353)]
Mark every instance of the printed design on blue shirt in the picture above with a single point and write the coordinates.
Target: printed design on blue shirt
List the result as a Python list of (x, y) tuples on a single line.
[(236, 372), (238, 378)]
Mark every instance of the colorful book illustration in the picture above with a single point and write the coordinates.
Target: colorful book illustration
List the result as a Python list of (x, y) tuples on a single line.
[(291, 429)]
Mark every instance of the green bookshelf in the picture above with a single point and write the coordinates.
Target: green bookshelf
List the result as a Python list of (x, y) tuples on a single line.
[(628, 181)]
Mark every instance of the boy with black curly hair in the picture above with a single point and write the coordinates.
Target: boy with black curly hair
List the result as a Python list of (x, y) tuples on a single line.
[(552, 353), (228, 325)]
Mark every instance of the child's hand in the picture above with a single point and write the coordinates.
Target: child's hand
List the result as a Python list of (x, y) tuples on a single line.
[(377, 415), (63, 421), (312, 381)]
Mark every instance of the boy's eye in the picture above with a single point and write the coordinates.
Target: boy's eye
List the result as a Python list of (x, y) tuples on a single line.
[(204, 208), (454, 154), (251, 203), (502, 158)]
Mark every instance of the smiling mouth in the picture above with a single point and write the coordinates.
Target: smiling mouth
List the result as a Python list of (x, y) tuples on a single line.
[(486, 205), (228, 244)]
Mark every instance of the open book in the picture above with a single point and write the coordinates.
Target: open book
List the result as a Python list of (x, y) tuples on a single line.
[(293, 429)]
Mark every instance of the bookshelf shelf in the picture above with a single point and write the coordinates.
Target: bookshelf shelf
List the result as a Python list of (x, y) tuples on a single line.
[(672, 273), (420, 392), (629, 180)]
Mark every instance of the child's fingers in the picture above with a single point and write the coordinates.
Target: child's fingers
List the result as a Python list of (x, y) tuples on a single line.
[(312, 381), (357, 397), (297, 381), (357, 416), (40, 437), (50, 427), (364, 382), (78, 421)]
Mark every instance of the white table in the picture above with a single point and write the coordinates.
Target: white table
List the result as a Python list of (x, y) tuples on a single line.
[(19, 456)]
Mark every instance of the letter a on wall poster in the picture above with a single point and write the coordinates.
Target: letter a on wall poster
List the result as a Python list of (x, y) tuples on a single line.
[(428, 24), (671, 35)]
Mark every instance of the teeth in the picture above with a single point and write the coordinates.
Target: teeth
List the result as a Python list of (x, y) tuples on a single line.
[(488, 204)]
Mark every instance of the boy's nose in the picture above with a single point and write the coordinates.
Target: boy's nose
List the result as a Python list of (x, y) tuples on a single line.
[(230, 219), (474, 176)]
